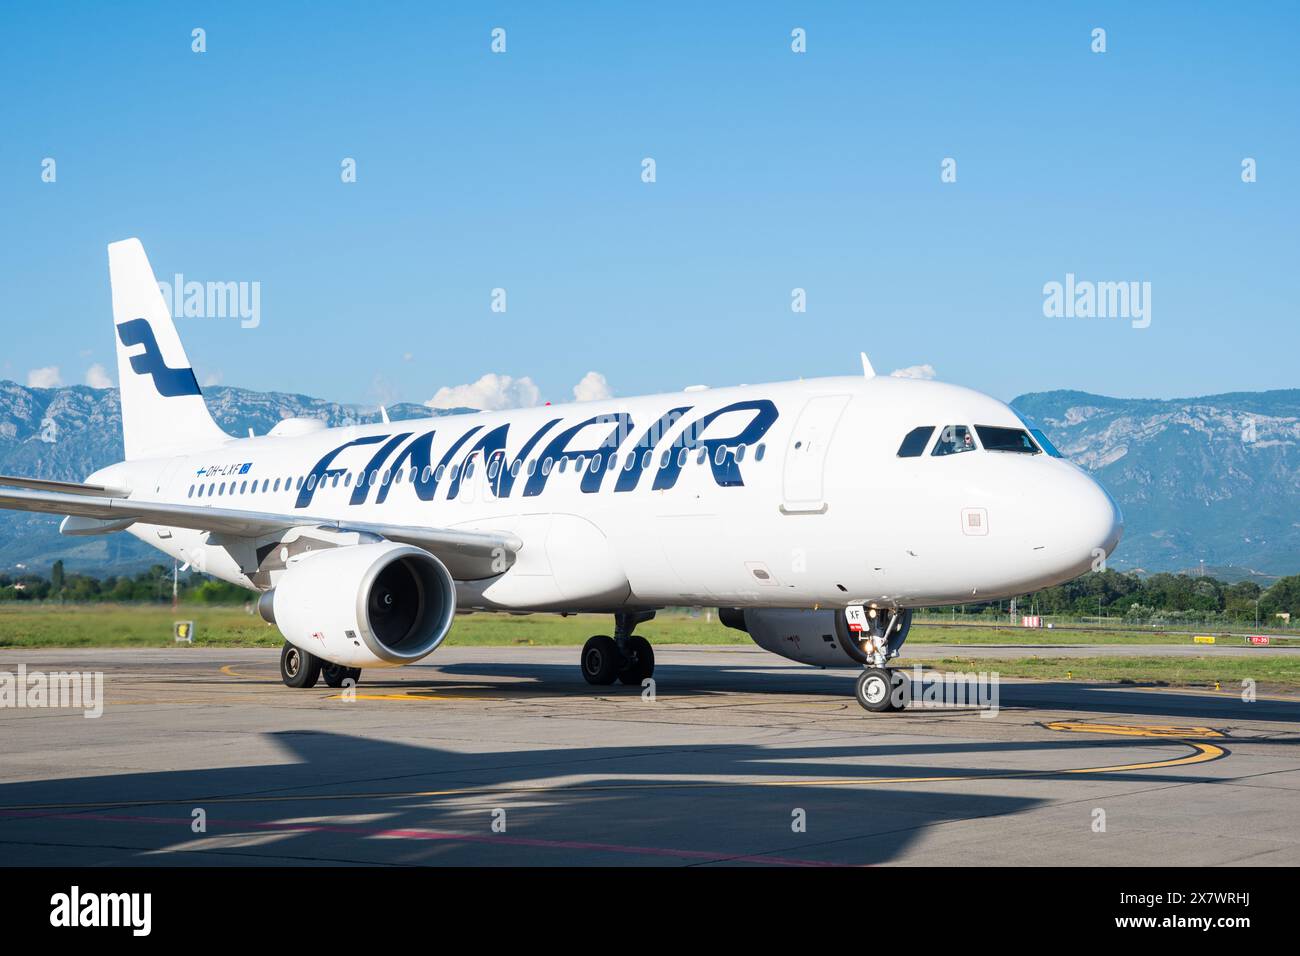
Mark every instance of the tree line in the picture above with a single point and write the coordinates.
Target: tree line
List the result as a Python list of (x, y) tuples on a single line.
[(1143, 598), (153, 586)]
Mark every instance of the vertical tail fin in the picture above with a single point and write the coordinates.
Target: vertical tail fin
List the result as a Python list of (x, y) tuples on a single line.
[(163, 412)]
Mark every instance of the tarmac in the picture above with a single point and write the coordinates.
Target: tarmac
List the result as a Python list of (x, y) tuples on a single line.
[(503, 756)]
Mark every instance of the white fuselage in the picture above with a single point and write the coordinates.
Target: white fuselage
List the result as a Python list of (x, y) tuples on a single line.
[(818, 509)]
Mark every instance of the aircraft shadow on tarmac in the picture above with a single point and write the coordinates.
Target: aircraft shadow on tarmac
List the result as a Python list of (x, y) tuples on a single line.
[(357, 799), (1073, 696)]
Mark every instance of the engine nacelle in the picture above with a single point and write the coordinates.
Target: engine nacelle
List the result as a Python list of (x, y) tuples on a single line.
[(367, 605), (821, 638)]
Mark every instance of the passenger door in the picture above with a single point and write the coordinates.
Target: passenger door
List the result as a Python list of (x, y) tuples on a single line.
[(803, 481)]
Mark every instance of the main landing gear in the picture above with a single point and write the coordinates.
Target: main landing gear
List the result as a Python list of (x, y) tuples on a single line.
[(625, 657), (299, 668)]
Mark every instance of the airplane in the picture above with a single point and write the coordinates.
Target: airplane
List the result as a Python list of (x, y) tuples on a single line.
[(815, 515)]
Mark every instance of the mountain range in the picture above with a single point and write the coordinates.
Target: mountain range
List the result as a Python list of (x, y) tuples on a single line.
[(1208, 483)]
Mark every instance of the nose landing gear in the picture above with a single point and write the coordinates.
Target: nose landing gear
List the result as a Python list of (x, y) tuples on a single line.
[(879, 634), (881, 689)]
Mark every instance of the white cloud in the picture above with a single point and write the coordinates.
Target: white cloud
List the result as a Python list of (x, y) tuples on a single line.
[(592, 388), (914, 371), (47, 377), (490, 393), (97, 377)]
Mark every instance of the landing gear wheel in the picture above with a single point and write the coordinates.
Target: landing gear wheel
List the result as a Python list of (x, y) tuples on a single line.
[(641, 661), (336, 674), (297, 667), (875, 690), (601, 660)]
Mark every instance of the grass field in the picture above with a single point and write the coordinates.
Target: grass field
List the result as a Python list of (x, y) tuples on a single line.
[(110, 625), (1268, 672), (113, 625)]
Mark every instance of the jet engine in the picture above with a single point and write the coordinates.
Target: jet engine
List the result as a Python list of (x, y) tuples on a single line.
[(821, 638), (368, 605)]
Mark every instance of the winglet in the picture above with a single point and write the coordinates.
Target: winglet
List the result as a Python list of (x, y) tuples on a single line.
[(867, 370)]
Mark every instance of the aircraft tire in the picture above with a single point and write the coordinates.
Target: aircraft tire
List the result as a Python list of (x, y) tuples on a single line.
[(298, 668), (874, 690), (601, 660), (336, 674), (642, 664)]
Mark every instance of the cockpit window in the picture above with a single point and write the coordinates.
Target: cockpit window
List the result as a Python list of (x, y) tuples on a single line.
[(1016, 440), (1044, 443), (953, 440), (915, 441)]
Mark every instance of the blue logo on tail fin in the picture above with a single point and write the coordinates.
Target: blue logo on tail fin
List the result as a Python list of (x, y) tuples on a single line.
[(170, 382)]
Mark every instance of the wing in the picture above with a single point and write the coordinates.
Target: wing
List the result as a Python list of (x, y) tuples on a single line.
[(469, 555), (67, 487)]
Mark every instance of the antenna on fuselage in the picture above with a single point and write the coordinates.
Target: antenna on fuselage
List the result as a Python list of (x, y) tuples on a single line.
[(867, 370)]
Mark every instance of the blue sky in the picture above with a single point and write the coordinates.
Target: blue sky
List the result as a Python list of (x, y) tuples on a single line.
[(775, 171)]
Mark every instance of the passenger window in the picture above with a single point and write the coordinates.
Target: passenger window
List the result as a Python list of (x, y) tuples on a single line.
[(1014, 440), (914, 442), (953, 440)]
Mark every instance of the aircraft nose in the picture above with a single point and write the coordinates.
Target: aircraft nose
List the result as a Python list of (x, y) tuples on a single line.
[(1097, 523)]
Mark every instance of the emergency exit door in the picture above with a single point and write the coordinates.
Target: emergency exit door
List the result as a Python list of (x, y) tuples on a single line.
[(803, 487)]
